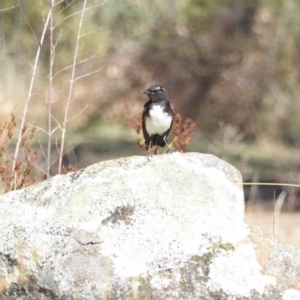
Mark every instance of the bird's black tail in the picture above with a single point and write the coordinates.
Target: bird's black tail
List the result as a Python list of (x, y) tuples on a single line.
[(157, 140)]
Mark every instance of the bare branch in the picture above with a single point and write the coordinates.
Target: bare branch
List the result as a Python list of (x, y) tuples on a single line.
[(64, 124), (79, 12), (90, 32), (88, 74), (28, 23), (42, 11), (78, 113), (52, 54), (59, 37), (22, 126), (73, 99), (57, 148), (33, 125), (67, 17), (41, 129), (71, 66), (8, 8), (33, 94), (16, 52), (36, 166), (42, 150), (62, 2), (53, 130), (58, 124), (71, 28), (68, 5), (50, 93)]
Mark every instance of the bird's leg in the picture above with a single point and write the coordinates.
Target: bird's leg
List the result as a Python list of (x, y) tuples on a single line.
[(149, 149), (168, 149)]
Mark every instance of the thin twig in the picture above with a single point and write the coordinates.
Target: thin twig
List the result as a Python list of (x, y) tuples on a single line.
[(15, 53), (41, 129), (71, 66), (61, 1), (270, 184), (64, 124), (72, 100), (58, 124), (59, 37), (75, 33), (43, 152), (64, 8), (42, 10), (56, 144), (252, 192), (50, 93), (34, 164), (274, 202), (29, 25), (33, 125), (29, 95), (78, 113), (90, 32), (278, 206), (78, 12), (88, 74), (8, 8)]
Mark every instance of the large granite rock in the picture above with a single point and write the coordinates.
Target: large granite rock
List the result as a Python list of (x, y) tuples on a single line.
[(170, 228)]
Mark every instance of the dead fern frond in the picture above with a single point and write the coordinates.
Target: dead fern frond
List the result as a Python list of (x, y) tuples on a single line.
[(22, 172), (136, 124), (69, 169), (182, 130)]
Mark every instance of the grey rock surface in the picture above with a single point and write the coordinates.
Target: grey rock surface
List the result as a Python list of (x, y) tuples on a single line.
[(170, 228)]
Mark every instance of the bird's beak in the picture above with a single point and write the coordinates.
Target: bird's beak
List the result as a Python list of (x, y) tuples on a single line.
[(147, 92)]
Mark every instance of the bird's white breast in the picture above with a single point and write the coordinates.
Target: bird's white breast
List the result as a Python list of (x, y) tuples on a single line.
[(158, 121)]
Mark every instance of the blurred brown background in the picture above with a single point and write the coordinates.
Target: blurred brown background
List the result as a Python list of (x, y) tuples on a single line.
[(232, 66)]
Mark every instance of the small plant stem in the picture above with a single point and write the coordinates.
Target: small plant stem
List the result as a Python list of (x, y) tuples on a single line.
[(274, 203), (22, 126), (51, 62), (69, 100), (270, 184), (8, 8)]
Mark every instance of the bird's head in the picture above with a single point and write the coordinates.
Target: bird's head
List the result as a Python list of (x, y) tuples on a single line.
[(156, 93)]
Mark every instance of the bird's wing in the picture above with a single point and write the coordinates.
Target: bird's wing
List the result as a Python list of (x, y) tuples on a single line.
[(146, 114), (173, 115), (172, 109)]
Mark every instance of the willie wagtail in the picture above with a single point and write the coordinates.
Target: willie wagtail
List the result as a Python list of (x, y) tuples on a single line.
[(158, 117)]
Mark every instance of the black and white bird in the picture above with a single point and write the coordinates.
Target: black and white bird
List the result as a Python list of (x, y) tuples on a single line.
[(158, 117)]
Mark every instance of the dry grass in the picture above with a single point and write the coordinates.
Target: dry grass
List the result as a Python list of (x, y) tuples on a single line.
[(182, 130), (287, 226), (69, 169), (21, 175)]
